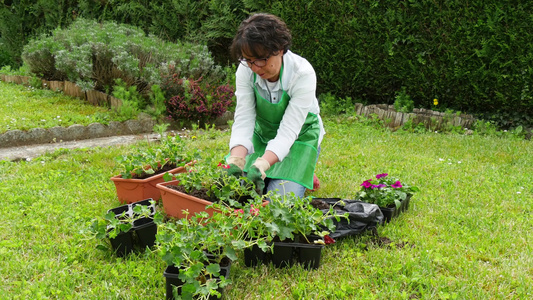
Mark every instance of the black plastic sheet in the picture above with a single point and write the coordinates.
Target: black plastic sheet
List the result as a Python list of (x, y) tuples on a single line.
[(362, 216)]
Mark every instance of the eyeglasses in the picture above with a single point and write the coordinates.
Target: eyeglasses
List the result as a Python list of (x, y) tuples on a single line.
[(260, 62)]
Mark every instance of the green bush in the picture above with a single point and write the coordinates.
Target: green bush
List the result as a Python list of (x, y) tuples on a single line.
[(331, 105), (403, 102), (95, 54)]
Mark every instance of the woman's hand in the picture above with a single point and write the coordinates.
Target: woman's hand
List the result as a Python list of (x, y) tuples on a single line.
[(257, 175), (236, 165)]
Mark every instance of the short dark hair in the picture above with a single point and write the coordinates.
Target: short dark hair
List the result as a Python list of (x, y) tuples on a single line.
[(261, 35)]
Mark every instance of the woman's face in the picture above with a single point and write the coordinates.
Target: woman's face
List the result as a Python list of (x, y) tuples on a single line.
[(272, 65)]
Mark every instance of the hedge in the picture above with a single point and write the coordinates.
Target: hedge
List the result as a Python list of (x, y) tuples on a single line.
[(473, 56)]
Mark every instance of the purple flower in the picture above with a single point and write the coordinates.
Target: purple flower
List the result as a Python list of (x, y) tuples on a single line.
[(396, 185), (381, 175), (366, 184), (378, 186)]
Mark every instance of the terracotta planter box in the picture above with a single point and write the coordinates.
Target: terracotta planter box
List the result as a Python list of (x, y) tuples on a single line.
[(133, 190), (174, 202)]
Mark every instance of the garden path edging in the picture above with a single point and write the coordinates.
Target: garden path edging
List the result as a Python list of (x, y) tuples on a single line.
[(17, 138)]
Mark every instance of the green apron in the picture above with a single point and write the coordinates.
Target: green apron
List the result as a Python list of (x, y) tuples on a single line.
[(299, 165)]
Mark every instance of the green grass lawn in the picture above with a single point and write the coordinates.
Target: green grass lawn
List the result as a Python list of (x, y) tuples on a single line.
[(24, 108), (467, 234)]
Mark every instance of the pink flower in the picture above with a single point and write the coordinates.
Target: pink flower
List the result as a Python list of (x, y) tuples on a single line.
[(254, 211), (381, 175), (223, 166), (366, 184), (396, 185), (239, 211)]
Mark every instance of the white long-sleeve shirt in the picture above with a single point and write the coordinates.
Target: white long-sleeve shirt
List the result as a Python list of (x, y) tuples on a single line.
[(299, 81)]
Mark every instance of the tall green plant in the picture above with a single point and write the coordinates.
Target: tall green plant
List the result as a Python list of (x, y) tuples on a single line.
[(403, 102), (131, 100)]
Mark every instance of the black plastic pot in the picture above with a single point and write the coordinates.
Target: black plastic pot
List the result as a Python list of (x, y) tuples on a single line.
[(123, 243), (388, 213), (405, 203), (254, 256), (171, 274), (145, 229), (309, 255), (142, 233), (173, 282), (119, 210), (145, 202), (286, 254), (282, 254), (393, 212)]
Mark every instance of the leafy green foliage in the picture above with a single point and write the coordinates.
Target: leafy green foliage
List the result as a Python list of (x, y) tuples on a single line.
[(210, 176), (22, 19), (403, 102), (170, 153), (471, 56), (332, 105), (290, 217), (132, 101)]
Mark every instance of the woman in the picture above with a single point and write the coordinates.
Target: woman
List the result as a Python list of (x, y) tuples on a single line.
[(277, 128)]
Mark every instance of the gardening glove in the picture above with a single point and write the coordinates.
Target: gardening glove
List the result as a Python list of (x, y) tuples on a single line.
[(257, 175), (236, 164)]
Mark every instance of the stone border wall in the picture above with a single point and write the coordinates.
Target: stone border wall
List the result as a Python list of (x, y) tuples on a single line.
[(16, 138), (433, 120)]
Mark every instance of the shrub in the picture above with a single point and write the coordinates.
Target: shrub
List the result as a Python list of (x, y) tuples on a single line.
[(95, 54), (132, 102), (403, 102), (198, 100), (331, 105)]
